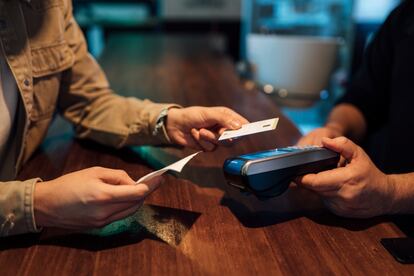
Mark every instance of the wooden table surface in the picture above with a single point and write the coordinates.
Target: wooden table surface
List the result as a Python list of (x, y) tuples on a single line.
[(194, 224)]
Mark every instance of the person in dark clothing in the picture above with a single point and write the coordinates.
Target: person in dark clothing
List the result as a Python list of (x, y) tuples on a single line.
[(377, 112)]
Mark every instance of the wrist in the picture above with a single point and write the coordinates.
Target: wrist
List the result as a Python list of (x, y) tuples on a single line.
[(393, 195), (403, 194), (172, 122), (39, 202), (172, 113), (162, 124)]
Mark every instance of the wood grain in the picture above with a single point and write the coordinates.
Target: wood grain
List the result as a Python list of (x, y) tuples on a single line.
[(194, 224)]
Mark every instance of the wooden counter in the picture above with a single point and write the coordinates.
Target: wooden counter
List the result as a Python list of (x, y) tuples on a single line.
[(195, 224)]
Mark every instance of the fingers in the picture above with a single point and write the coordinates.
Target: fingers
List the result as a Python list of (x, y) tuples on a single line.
[(209, 135), (208, 139), (315, 136), (205, 142), (187, 140), (235, 116), (153, 183), (341, 145), (330, 180), (114, 177), (212, 137), (125, 193), (203, 125), (224, 117), (122, 210), (232, 115)]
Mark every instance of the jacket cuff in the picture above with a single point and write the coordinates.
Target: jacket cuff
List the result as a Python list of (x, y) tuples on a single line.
[(155, 133), (16, 207), (160, 129), (29, 206)]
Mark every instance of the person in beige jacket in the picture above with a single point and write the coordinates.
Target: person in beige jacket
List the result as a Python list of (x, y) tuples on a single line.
[(45, 67)]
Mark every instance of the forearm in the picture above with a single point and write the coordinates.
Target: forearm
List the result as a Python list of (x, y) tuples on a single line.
[(403, 197), (348, 120), (87, 101), (117, 121)]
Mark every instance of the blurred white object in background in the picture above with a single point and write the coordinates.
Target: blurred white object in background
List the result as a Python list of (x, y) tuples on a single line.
[(373, 11), (299, 67)]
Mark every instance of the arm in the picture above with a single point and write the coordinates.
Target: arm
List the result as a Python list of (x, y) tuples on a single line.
[(364, 107), (348, 121), (89, 198), (80, 200), (359, 188), (84, 95), (344, 120), (87, 101), (404, 193)]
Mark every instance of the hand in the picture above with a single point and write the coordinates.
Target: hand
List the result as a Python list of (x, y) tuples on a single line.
[(88, 198), (359, 189), (200, 127), (315, 136)]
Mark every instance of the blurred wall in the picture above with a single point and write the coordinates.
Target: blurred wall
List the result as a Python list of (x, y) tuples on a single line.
[(201, 9)]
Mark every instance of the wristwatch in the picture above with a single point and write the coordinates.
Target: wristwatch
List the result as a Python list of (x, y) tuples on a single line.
[(160, 125)]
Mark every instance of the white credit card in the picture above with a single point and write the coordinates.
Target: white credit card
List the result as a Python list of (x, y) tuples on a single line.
[(252, 128)]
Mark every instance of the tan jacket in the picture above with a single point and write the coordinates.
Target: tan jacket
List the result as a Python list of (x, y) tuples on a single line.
[(48, 57)]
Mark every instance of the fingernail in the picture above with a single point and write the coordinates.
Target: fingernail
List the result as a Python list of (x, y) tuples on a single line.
[(235, 124)]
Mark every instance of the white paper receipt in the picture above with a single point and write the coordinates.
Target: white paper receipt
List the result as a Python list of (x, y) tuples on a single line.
[(176, 167), (252, 128)]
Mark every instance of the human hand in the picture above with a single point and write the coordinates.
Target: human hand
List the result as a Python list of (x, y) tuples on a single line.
[(315, 136), (200, 127), (359, 189), (88, 198)]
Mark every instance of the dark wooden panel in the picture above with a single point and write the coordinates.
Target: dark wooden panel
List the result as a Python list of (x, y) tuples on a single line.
[(194, 224)]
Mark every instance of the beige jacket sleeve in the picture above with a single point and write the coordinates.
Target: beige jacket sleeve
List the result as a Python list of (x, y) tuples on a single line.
[(16, 207), (87, 101)]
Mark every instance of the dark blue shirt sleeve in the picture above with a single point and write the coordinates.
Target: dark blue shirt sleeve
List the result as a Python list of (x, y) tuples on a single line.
[(370, 89)]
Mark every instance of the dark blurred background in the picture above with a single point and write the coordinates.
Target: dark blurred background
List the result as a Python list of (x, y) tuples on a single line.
[(236, 25)]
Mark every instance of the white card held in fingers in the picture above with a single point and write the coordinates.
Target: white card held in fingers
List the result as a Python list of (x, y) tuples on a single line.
[(249, 129), (177, 167)]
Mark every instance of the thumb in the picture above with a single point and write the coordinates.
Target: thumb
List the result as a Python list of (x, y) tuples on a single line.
[(153, 183), (224, 117), (123, 193), (341, 145), (114, 177)]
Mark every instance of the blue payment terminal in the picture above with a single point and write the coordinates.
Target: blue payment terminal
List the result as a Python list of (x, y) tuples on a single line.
[(268, 173)]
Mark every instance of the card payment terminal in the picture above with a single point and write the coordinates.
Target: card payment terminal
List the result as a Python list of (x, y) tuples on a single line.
[(268, 173)]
